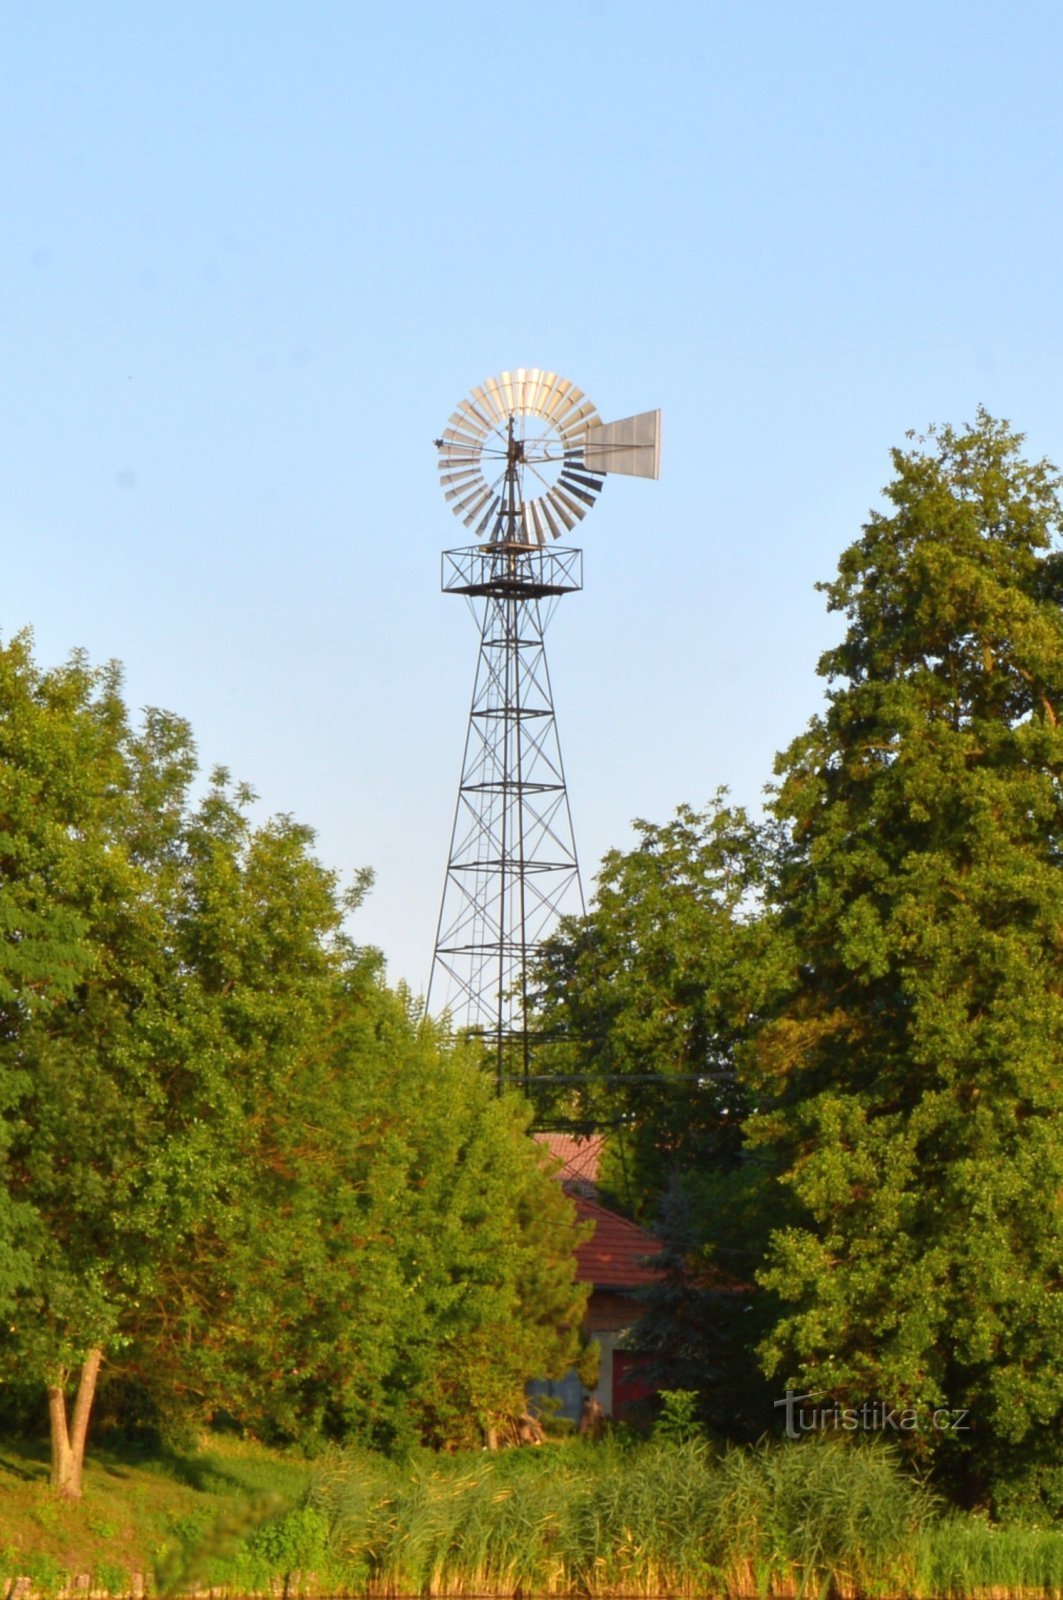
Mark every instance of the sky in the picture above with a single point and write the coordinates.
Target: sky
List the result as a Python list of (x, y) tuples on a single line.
[(254, 253)]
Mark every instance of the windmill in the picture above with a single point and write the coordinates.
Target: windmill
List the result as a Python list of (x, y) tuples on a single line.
[(521, 461)]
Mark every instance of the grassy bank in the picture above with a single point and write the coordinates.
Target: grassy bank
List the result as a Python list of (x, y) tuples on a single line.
[(598, 1521), (181, 1518)]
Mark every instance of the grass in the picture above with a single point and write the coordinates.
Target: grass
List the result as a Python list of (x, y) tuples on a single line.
[(171, 1518), (595, 1521), (602, 1520), (817, 1519), (963, 1555)]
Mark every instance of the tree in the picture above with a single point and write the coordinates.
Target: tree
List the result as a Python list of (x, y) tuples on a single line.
[(910, 1085), (230, 1161), (650, 1001), (702, 1320), (78, 938), (421, 1260), (421, 1263), (647, 998)]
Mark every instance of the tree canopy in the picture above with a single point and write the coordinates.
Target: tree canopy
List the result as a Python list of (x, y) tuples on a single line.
[(231, 1160), (234, 1162), (874, 980), (645, 999), (913, 1071)]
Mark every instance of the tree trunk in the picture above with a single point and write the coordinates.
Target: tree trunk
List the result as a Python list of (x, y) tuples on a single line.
[(68, 1445)]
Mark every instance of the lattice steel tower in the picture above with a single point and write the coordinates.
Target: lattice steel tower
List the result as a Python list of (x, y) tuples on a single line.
[(521, 461)]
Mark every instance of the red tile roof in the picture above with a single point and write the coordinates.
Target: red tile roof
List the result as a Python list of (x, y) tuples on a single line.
[(614, 1257), (579, 1155)]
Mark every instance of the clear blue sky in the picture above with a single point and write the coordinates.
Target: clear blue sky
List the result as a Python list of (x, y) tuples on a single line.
[(254, 253)]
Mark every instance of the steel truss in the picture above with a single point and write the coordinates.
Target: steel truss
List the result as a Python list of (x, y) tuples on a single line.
[(512, 870)]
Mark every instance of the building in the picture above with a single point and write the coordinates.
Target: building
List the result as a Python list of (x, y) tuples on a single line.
[(617, 1262)]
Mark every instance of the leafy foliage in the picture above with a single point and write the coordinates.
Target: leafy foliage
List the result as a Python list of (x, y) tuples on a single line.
[(873, 986), (650, 1000), (421, 1261), (231, 1158), (649, 995), (701, 1321), (913, 1072)]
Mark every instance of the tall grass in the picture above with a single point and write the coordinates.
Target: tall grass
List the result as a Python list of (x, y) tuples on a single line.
[(961, 1556), (604, 1521)]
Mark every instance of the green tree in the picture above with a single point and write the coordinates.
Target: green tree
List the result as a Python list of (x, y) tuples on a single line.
[(80, 939), (398, 1262), (255, 931), (910, 1086), (647, 998), (702, 1321), (230, 1161), (649, 1002)]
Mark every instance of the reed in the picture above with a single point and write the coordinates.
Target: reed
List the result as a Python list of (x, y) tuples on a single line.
[(603, 1521)]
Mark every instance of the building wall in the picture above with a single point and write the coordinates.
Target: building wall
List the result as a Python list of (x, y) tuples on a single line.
[(609, 1311), (610, 1315)]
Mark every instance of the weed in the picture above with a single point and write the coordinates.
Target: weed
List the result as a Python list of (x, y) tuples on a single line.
[(46, 1515), (678, 1420), (111, 1577), (44, 1573)]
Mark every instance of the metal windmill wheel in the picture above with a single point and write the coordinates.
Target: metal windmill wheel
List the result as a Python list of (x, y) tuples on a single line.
[(523, 458)]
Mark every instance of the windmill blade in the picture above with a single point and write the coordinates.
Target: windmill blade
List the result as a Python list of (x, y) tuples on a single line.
[(487, 517), (460, 478), (456, 472), (576, 418), (547, 381), (454, 460), (457, 492), (469, 415), (489, 403), (534, 389), (468, 509), (559, 399), (498, 397), (571, 484), (559, 506), (458, 431), (529, 523), (527, 388), (549, 527), (631, 446), (456, 439), (547, 510), (562, 498), (569, 474)]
